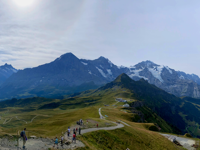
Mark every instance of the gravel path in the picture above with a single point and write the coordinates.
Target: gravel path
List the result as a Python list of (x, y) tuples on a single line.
[(8, 121), (21, 120), (105, 128), (34, 118), (101, 116)]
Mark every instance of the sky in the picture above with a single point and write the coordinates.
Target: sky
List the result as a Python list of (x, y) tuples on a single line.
[(126, 32)]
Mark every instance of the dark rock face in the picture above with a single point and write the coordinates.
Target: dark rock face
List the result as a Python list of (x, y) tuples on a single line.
[(5, 72), (69, 74)]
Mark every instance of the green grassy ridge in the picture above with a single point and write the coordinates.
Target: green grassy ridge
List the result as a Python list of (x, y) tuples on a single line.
[(126, 138), (165, 105)]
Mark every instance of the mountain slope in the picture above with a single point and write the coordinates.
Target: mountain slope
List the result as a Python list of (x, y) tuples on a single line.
[(163, 103), (179, 113), (5, 72), (64, 75)]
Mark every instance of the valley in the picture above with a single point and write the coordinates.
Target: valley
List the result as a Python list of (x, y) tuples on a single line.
[(140, 124)]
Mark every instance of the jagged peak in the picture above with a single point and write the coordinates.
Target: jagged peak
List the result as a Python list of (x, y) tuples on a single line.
[(123, 77), (102, 58), (67, 56), (148, 63), (145, 64), (7, 66)]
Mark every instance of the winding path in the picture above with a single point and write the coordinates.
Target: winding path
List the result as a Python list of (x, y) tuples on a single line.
[(33, 118), (21, 120), (8, 121), (101, 116), (104, 128)]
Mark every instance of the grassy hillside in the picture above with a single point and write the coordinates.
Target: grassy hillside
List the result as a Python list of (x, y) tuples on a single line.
[(159, 111), (136, 136)]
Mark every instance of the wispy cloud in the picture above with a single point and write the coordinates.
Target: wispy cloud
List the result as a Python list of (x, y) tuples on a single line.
[(126, 32)]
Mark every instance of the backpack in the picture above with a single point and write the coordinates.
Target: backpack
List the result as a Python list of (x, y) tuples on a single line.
[(22, 134)]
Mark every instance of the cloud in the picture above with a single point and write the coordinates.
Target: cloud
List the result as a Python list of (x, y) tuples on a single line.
[(126, 32)]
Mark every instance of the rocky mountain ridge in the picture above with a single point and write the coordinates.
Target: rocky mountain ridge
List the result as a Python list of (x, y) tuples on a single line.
[(69, 74), (6, 71)]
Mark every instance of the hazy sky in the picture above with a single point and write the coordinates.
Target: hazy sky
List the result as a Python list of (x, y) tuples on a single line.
[(124, 31)]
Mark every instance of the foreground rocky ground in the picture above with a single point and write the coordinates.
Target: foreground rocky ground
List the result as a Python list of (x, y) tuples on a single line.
[(37, 144)]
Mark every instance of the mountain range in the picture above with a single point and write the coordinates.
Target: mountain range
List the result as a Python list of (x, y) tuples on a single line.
[(69, 74)]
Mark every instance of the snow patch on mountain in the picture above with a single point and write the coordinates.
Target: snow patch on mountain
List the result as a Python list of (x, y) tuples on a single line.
[(120, 67), (109, 72), (168, 69), (101, 66), (102, 73), (111, 64), (84, 63), (156, 72), (136, 73), (182, 77)]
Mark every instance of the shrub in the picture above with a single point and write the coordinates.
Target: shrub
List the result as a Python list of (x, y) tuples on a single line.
[(188, 135)]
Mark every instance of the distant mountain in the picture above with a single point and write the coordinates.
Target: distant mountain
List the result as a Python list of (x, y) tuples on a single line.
[(175, 82), (69, 74), (5, 72), (192, 77)]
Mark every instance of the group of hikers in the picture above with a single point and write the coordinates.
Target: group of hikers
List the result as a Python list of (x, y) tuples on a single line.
[(24, 137), (75, 130), (68, 134)]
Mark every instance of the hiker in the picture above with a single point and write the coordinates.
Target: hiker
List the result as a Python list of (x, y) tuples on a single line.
[(23, 135), (68, 131), (74, 137), (87, 121), (79, 131), (61, 140), (76, 129), (56, 142), (80, 121), (97, 125)]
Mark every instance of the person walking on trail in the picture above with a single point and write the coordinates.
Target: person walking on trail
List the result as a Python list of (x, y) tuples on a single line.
[(68, 131), (23, 135), (97, 125), (56, 142), (61, 140), (81, 122), (79, 131), (76, 129), (74, 137)]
